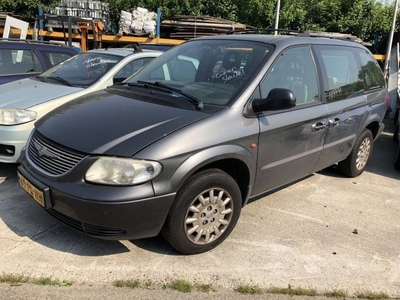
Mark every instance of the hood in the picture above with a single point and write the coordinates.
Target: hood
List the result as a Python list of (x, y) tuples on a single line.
[(28, 92), (105, 123)]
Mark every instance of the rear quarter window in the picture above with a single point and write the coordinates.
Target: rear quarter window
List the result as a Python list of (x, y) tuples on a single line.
[(372, 74)]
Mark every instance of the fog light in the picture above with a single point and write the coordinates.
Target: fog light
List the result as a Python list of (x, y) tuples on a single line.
[(7, 150)]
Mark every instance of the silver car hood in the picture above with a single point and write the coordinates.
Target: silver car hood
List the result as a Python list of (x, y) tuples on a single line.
[(28, 92)]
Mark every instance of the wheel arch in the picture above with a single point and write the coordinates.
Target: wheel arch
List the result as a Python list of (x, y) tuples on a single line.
[(374, 127), (235, 160)]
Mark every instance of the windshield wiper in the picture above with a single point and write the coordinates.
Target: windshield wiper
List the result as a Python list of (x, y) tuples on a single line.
[(197, 103), (59, 79)]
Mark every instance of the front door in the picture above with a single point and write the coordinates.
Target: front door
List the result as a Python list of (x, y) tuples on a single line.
[(290, 141)]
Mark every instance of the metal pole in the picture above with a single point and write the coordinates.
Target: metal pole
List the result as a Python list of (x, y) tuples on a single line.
[(278, 6), (390, 41), (158, 24)]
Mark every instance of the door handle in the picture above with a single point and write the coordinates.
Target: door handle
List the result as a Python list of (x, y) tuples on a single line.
[(333, 122), (318, 126)]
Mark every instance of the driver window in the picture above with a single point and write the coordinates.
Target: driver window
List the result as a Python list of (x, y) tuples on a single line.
[(293, 70)]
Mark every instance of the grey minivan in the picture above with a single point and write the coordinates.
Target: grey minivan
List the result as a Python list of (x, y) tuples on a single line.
[(184, 144)]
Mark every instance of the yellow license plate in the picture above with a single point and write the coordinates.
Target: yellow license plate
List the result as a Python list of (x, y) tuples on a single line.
[(31, 190)]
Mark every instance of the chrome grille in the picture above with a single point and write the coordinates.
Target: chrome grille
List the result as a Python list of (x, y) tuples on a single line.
[(51, 157)]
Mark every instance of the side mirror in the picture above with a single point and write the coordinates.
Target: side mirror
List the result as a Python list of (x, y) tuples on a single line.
[(118, 80), (277, 99)]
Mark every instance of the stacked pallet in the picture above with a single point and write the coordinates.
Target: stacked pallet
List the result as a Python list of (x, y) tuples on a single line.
[(187, 27)]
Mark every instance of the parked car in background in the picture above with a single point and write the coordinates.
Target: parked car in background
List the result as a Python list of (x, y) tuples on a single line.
[(24, 101), (181, 146), (25, 58), (396, 134)]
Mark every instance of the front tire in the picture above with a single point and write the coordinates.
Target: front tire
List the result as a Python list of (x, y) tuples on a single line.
[(204, 212), (358, 158)]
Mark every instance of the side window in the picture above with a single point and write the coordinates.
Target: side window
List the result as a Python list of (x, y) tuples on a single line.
[(373, 76), (131, 68), (54, 58), (6, 63), (293, 70), (343, 76), (17, 61)]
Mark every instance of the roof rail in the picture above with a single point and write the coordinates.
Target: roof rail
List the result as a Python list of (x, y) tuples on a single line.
[(255, 30), (32, 41), (331, 35), (300, 33)]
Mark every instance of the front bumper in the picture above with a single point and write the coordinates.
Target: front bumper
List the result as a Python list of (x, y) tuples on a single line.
[(110, 218), (13, 140)]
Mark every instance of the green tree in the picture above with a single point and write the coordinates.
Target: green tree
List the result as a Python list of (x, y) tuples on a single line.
[(28, 9), (368, 19)]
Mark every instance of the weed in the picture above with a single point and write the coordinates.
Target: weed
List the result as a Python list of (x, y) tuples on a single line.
[(372, 295), (147, 284), (134, 284), (249, 289), (66, 283), (180, 285), (205, 288), (335, 294), (45, 281), (12, 278), (293, 291)]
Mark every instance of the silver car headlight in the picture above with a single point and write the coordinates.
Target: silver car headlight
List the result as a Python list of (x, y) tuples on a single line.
[(16, 116), (122, 171)]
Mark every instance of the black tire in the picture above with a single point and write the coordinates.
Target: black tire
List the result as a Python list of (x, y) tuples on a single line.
[(396, 132), (358, 158), (397, 158), (187, 237), (396, 116)]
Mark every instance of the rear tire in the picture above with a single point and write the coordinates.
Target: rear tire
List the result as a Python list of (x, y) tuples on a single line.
[(396, 132), (204, 212), (397, 158), (357, 160)]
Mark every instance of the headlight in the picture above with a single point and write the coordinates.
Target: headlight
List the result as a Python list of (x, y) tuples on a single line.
[(122, 171), (16, 116)]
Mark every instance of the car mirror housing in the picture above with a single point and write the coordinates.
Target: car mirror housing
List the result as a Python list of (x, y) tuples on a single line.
[(277, 99)]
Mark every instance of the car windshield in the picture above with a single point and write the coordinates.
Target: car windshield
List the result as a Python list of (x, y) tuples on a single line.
[(81, 70), (214, 71)]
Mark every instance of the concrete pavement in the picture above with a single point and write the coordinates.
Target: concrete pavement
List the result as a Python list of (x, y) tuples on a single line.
[(325, 232)]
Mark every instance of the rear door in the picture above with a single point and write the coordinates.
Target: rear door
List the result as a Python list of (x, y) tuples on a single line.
[(345, 100), (290, 141)]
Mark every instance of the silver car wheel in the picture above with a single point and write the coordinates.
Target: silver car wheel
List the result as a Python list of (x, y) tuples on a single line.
[(363, 153), (208, 216)]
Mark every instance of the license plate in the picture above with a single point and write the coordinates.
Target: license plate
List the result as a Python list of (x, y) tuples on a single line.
[(36, 194)]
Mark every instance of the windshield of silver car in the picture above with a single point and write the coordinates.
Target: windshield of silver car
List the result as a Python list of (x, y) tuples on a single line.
[(81, 70)]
